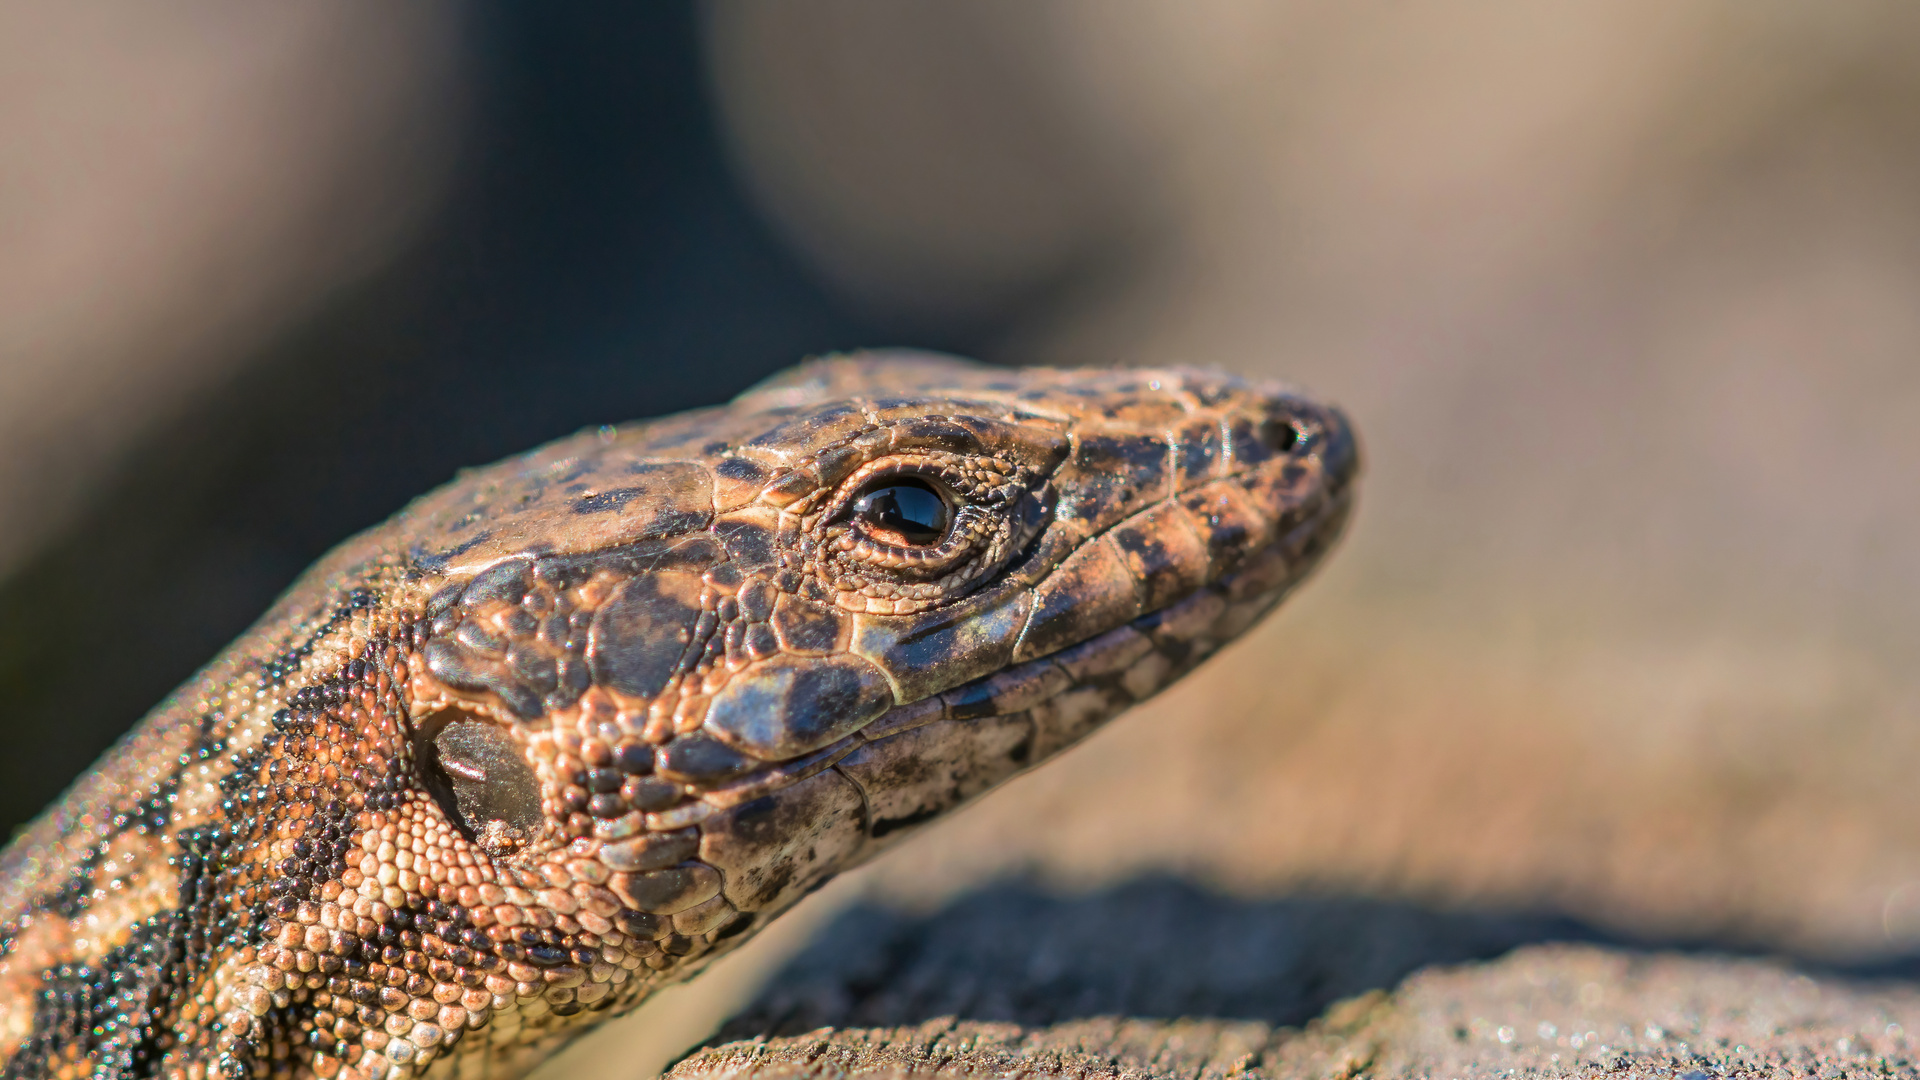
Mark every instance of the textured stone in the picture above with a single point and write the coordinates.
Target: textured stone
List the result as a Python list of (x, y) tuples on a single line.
[(1159, 979)]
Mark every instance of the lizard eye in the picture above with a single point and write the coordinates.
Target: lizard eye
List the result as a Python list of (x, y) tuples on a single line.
[(915, 529), (905, 511), (481, 779)]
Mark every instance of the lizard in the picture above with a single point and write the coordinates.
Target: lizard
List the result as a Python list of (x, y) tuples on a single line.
[(570, 727)]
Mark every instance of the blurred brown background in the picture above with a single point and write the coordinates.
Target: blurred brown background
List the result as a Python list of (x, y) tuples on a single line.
[(1624, 295)]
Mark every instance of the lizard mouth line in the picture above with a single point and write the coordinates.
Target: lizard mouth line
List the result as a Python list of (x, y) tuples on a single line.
[(1186, 627)]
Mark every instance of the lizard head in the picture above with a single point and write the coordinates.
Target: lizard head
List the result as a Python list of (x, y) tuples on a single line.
[(655, 683)]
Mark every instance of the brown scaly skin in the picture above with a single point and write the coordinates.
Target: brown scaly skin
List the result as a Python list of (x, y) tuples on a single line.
[(568, 728)]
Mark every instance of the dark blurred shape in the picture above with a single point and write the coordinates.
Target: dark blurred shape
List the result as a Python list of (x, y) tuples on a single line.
[(1150, 947), (178, 184), (595, 263), (935, 161)]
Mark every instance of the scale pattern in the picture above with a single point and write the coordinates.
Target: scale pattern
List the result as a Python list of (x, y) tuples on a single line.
[(568, 728)]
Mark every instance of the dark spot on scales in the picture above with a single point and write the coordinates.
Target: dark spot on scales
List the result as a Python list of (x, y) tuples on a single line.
[(804, 626), (503, 581), (889, 825), (463, 669), (534, 669), (649, 793), (786, 706), (637, 639), (741, 469), (607, 500), (429, 562), (702, 759), (480, 639), (749, 544)]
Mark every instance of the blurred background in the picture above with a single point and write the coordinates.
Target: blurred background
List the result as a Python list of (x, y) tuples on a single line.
[(1623, 294)]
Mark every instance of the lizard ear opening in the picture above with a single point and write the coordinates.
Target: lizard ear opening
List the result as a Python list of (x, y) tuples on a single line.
[(477, 773)]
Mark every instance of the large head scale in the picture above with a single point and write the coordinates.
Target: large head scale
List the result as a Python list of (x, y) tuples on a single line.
[(659, 681)]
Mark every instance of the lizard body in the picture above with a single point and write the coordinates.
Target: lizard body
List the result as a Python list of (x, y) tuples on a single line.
[(570, 727)]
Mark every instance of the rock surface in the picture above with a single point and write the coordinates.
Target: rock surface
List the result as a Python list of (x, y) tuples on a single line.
[(1162, 979)]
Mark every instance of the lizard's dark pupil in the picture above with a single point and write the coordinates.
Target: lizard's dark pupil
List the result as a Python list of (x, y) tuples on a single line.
[(909, 509)]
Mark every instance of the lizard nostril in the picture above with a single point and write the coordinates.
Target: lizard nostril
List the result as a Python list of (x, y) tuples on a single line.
[(1280, 436)]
